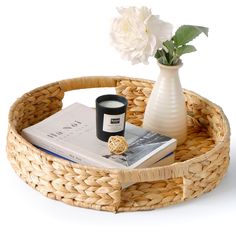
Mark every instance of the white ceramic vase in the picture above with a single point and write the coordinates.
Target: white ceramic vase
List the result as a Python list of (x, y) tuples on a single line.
[(166, 110)]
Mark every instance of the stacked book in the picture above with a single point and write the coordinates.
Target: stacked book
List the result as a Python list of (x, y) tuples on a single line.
[(71, 134)]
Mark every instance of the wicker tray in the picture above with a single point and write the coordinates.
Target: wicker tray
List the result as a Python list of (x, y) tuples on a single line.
[(201, 161)]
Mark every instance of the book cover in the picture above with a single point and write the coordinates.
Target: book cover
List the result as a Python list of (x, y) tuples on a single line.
[(71, 133)]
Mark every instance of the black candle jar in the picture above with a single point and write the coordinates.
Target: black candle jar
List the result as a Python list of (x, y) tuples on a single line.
[(110, 116)]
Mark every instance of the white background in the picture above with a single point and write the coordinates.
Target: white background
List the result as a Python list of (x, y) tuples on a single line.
[(45, 41)]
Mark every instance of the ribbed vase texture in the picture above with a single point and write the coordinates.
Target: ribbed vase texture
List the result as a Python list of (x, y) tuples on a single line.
[(166, 110)]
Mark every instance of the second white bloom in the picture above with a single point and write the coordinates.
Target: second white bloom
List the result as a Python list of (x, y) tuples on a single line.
[(137, 34)]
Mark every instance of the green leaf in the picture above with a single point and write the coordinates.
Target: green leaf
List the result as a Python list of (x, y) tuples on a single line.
[(158, 54), (164, 61), (185, 49), (161, 56), (175, 60), (170, 46), (187, 33)]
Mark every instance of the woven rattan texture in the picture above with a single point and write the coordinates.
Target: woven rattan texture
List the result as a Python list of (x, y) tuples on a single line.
[(201, 162), (117, 144)]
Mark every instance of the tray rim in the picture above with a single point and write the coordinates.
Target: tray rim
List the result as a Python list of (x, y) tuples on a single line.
[(114, 79)]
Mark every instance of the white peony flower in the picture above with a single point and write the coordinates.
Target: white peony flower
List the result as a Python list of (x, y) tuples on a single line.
[(137, 34)]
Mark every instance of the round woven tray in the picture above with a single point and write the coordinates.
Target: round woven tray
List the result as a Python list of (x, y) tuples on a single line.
[(200, 164)]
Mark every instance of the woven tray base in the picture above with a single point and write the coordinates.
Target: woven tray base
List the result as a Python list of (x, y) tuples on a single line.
[(201, 162)]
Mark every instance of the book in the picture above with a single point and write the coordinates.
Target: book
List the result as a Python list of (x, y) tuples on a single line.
[(166, 160), (71, 134)]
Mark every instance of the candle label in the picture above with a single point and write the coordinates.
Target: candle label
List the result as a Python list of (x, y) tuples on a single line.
[(113, 123)]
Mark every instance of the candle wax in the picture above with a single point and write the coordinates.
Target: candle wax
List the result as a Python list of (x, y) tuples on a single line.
[(111, 104)]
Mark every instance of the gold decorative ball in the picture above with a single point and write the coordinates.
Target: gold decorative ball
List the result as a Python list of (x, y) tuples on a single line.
[(117, 144)]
